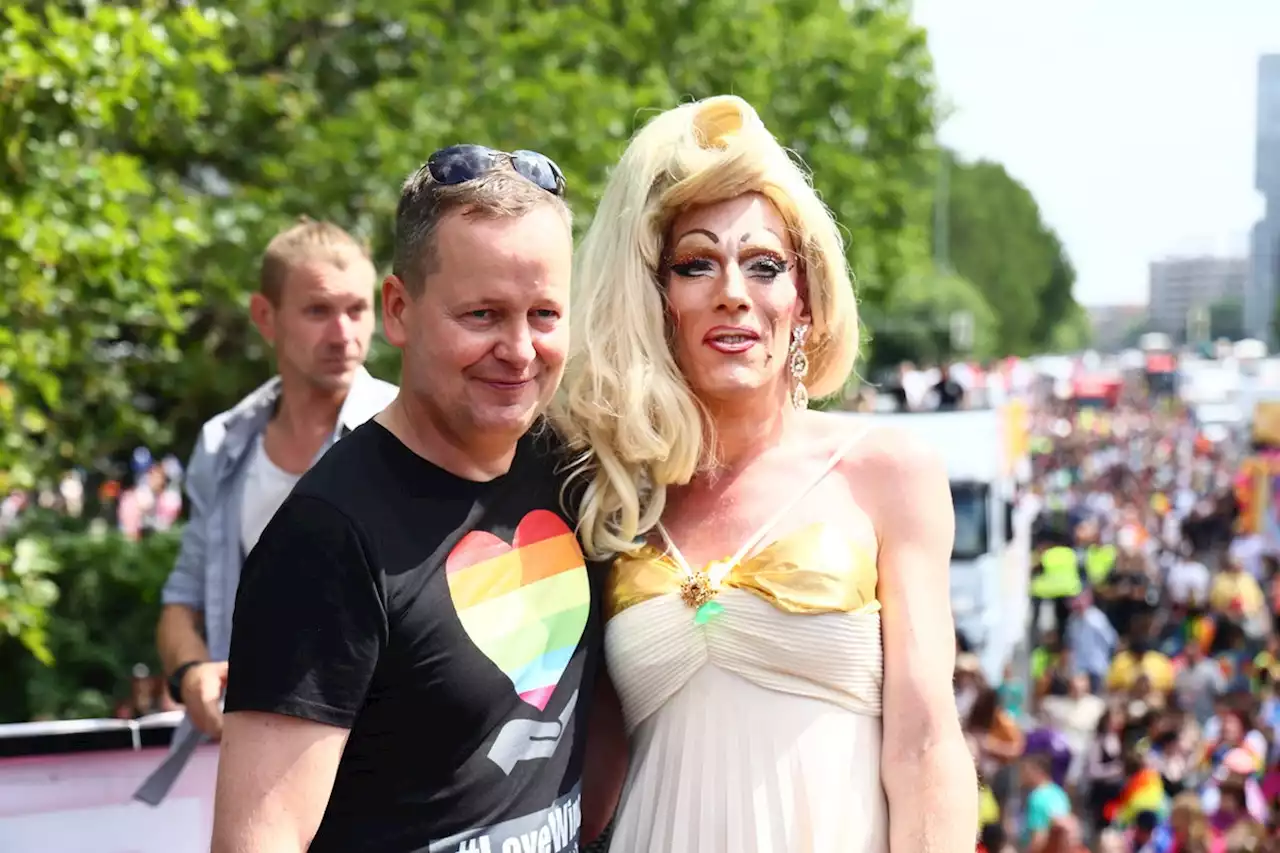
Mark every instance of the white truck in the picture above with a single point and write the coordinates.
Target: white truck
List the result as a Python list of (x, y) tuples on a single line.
[(987, 463)]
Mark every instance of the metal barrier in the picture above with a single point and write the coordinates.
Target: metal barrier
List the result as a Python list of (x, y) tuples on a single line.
[(67, 787), (59, 736)]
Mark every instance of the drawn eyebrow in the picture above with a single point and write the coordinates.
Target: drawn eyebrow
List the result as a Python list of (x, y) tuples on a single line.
[(704, 232)]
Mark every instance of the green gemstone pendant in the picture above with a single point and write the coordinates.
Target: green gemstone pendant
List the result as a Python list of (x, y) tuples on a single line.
[(707, 611)]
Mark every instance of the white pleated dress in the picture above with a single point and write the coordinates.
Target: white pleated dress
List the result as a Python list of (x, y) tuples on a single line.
[(758, 730)]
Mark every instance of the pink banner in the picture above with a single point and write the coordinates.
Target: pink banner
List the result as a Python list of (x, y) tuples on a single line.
[(81, 803)]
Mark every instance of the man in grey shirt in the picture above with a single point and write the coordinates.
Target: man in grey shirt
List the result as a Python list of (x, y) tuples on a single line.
[(1199, 684), (1091, 639), (314, 306)]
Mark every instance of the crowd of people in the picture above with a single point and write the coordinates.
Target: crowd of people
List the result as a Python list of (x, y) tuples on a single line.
[(146, 498), (390, 603), (1149, 722)]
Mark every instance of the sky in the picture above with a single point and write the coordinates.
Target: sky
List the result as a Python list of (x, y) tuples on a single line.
[(1132, 122)]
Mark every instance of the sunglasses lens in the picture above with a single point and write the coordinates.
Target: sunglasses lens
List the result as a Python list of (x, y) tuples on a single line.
[(540, 169), (461, 163)]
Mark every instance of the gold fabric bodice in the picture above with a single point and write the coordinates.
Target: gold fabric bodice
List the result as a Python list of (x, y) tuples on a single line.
[(816, 569)]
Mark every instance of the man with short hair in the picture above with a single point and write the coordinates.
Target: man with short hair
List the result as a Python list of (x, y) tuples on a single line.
[(416, 635), (314, 307)]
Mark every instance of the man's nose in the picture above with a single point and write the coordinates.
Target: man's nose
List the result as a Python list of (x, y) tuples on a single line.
[(516, 347), (342, 328)]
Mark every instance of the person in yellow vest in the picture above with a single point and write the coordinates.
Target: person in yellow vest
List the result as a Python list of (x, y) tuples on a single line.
[(1056, 579), (1098, 559)]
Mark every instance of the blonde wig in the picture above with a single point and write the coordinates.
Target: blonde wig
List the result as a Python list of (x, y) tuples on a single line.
[(624, 406)]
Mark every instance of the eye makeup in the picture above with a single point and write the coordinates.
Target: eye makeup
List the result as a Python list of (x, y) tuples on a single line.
[(764, 262), (687, 264)]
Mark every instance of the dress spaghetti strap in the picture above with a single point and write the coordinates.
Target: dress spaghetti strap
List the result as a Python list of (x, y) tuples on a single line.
[(841, 452), (747, 547)]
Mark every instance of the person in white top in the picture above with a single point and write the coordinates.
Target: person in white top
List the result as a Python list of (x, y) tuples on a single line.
[(779, 628), (314, 307), (265, 487), (1188, 580)]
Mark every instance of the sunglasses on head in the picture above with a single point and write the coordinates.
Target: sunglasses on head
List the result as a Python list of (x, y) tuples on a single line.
[(458, 164)]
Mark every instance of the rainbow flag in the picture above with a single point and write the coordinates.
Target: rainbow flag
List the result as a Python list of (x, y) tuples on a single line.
[(1201, 630), (1144, 792)]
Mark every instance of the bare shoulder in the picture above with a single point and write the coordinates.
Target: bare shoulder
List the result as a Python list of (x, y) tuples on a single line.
[(887, 453)]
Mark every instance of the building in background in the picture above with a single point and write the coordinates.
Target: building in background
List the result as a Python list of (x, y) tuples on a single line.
[(1264, 267), (1178, 285), (1116, 326)]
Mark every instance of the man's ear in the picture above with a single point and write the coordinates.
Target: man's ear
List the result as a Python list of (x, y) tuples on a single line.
[(263, 315), (395, 302)]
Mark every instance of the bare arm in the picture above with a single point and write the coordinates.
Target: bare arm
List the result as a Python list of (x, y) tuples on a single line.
[(181, 640), (275, 774), (926, 767), (294, 695), (180, 635)]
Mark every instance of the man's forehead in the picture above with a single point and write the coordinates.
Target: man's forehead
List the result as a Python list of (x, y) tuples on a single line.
[(336, 277)]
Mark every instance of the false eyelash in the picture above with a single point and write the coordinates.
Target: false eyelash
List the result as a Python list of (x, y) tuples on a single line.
[(687, 265), (777, 264)]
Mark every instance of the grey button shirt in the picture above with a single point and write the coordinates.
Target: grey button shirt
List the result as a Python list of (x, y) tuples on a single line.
[(208, 568)]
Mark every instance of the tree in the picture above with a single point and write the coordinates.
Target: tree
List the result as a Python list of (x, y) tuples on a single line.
[(997, 240), (151, 149), (1072, 333), (1058, 306), (915, 325), (95, 241)]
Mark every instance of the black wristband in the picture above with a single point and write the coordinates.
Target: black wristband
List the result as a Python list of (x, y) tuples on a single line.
[(175, 680)]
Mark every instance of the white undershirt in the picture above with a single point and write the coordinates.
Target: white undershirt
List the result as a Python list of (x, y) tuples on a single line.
[(265, 488), (1188, 581)]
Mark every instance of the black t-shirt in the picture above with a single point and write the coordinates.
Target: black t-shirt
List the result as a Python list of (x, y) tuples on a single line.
[(451, 625)]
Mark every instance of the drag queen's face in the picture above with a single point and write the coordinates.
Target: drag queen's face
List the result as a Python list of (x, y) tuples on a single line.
[(734, 289)]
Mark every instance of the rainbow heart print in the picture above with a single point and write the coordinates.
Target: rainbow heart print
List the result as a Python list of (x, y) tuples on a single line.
[(524, 604)]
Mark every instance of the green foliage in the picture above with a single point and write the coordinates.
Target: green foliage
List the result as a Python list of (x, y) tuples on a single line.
[(997, 240), (1072, 334), (151, 149), (102, 623), (919, 320), (27, 593), (94, 242)]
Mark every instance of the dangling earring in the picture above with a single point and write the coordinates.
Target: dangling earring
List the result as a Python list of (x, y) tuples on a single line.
[(799, 363)]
